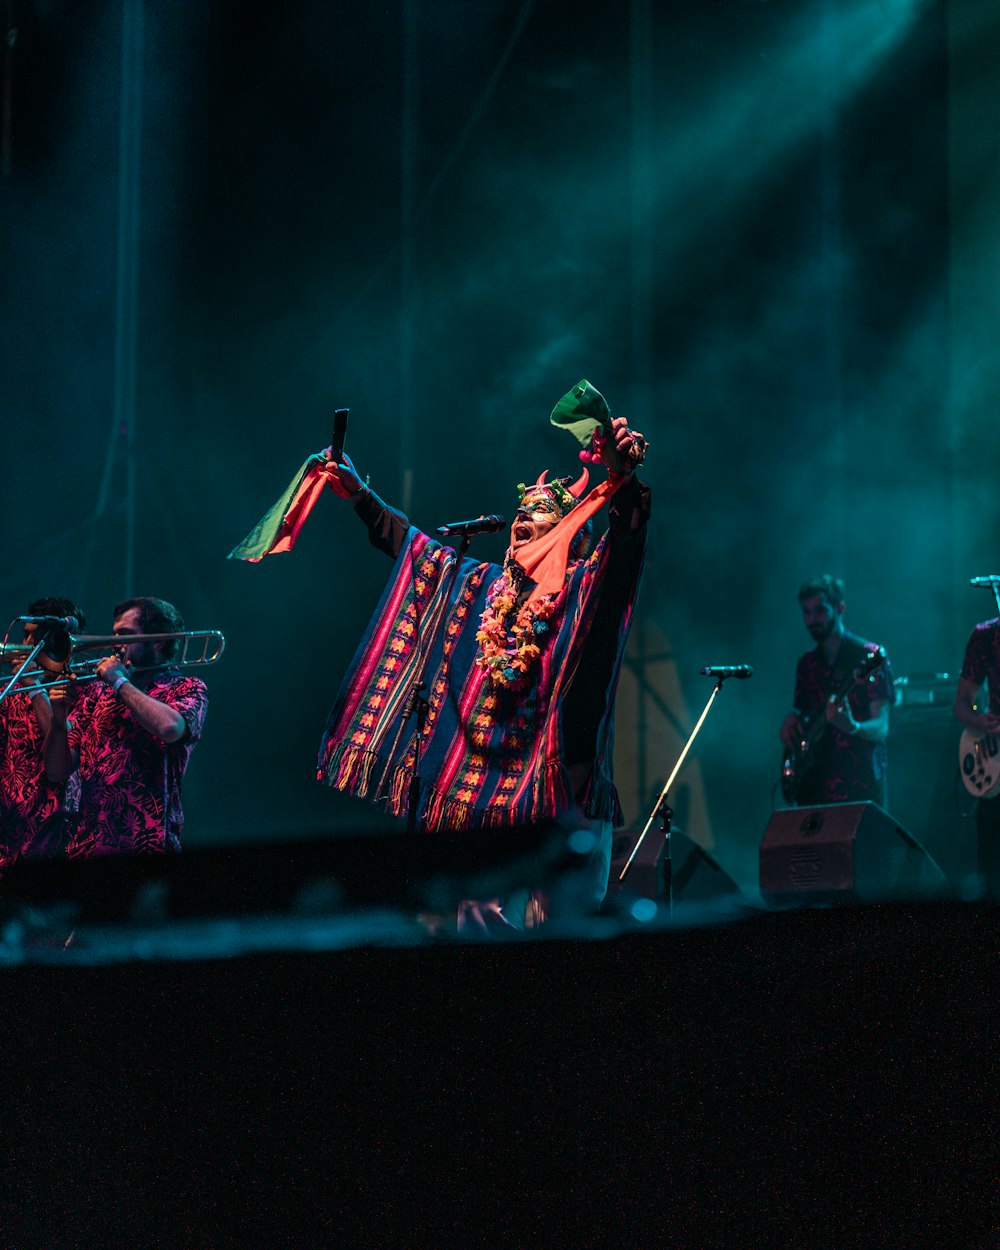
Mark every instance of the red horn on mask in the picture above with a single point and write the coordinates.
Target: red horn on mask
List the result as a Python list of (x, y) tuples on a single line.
[(580, 485), (541, 478)]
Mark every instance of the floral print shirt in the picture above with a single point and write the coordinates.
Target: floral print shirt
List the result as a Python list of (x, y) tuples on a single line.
[(33, 810), (130, 780)]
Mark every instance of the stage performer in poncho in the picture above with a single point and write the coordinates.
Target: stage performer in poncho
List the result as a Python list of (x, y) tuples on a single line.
[(520, 661)]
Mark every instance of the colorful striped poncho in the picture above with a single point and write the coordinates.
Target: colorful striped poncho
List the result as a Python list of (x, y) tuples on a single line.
[(490, 757)]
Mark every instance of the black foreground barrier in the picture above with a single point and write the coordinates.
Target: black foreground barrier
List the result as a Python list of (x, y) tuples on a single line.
[(821, 1077), (331, 875)]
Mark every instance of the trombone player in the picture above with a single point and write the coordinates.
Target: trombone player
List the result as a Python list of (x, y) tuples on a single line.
[(36, 814), (131, 733)]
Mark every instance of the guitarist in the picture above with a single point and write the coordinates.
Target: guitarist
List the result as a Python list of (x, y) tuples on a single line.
[(846, 759), (981, 664)]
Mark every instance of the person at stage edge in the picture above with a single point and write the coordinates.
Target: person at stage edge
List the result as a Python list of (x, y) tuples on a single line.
[(523, 673), (981, 665), (131, 733), (846, 761), (36, 814)]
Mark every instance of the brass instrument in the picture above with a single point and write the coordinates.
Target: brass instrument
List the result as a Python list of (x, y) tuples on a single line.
[(59, 658)]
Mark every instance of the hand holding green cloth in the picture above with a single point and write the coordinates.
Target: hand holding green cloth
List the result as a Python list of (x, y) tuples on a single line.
[(279, 528), (583, 410)]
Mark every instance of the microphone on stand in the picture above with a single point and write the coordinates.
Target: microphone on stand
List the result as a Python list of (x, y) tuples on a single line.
[(992, 582), (479, 525), (722, 671), (69, 623)]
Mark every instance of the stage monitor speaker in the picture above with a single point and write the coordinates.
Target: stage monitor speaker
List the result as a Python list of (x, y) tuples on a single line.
[(842, 852), (696, 877)]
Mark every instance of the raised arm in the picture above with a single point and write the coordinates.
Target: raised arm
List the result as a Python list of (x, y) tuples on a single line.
[(387, 527), (629, 508)]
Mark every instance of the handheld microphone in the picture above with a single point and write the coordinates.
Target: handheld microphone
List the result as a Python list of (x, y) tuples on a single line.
[(742, 671), (69, 623), (339, 433), (991, 581), (479, 525)]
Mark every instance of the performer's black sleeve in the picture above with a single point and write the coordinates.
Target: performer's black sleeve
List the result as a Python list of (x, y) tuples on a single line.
[(387, 527), (633, 494), (591, 690)]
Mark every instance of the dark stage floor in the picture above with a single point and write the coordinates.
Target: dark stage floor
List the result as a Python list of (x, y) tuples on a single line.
[(210, 1072)]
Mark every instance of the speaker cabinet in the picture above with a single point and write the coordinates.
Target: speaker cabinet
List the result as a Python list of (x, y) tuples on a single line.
[(842, 852)]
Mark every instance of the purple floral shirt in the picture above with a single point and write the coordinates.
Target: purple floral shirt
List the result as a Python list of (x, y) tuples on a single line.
[(33, 810), (130, 781), (982, 659)]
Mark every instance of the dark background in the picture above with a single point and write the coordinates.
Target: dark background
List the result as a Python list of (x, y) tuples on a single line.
[(760, 227)]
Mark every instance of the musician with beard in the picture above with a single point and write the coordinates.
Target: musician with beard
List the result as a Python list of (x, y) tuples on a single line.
[(130, 733), (835, 739)]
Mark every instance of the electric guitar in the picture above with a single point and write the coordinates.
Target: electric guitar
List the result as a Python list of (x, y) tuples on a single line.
[(979, 763), (798, 760)]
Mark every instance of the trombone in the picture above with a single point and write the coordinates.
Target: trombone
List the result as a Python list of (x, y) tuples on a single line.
[(56, 653)]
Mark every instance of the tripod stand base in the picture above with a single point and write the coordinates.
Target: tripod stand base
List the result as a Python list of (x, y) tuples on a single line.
[(695, 876)]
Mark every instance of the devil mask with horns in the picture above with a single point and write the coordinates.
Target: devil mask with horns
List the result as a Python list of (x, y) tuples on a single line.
[(542, 505)]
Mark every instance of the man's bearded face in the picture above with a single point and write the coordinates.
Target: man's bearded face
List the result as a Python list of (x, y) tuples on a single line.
[(819, 617)]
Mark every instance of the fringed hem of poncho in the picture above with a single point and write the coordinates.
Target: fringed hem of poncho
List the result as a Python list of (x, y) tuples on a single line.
[(358, 771)]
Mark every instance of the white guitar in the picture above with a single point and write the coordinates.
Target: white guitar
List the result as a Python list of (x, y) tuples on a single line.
[(979, 763)]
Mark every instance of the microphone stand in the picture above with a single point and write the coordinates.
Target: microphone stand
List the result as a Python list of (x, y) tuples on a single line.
[(416, 701), (43, 638), (663, 810), (993, 581)]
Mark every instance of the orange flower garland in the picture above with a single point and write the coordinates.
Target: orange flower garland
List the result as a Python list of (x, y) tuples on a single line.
[(508, 650)]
